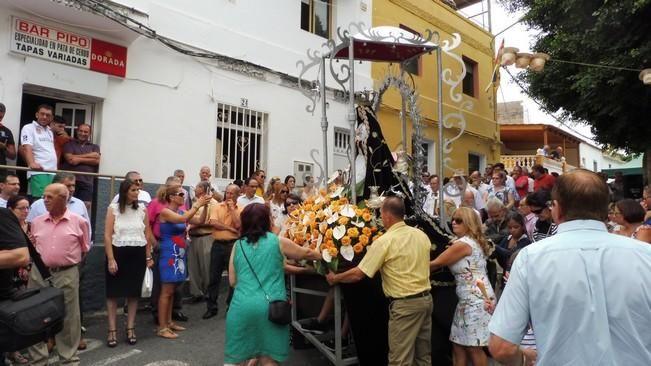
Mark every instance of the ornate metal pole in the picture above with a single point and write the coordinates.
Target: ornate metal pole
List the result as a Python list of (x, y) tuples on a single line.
[(403, 116), (324, 120), (441, 168), (352, 119)]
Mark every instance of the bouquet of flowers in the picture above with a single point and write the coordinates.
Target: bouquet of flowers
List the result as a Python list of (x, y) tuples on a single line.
[(338, 229)]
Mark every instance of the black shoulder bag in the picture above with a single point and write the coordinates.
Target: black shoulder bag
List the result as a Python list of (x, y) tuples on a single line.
[(280, 311), (32, 315)]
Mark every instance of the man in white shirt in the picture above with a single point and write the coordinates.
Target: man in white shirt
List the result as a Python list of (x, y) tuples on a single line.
[(250, 186), (431, 204), (143, 196), (37, 148), (9, 187)]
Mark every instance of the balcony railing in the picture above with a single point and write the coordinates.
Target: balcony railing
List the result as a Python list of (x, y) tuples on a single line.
[(554, 166)]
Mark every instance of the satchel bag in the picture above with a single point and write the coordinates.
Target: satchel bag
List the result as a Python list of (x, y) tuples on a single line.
[(32, 315), (280, 311), (147, 283)]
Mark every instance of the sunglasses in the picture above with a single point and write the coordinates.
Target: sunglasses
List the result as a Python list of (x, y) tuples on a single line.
[(284, 191), (291, 203), (457, 220), (180, 194), (138, 180)]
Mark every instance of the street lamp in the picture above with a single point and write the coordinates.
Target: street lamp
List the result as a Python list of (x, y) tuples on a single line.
[(523, 60), (645, 76)]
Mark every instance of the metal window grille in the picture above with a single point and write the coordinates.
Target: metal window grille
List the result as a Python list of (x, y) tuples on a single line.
[(240, 141), (342, 137)]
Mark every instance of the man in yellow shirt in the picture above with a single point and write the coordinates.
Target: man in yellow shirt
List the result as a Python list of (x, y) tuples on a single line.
[(225, 219), (402, 257)]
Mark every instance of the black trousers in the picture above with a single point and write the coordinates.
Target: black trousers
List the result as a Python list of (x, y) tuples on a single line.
[(155, 291), (445, 304), (368, 312), (220, 254)]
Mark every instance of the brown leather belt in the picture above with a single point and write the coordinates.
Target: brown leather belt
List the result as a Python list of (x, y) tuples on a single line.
[(62, 268), (414, 296)]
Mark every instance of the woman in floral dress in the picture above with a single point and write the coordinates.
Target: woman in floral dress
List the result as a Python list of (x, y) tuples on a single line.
[(466, 258), (172, 260)]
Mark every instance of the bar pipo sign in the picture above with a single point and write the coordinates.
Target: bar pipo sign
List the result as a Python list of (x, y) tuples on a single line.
[(38, 40)]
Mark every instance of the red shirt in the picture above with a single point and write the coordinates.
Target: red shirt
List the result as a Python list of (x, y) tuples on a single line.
[(63, 242), (522, 181), (546, 181)]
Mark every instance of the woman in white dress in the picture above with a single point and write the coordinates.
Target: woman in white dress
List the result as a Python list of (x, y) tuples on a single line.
[(466, 258)]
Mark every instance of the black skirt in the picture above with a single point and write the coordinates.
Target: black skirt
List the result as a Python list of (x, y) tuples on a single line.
[(127, 282)]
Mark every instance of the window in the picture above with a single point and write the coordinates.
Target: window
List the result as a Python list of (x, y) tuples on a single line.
[(428, 155), (315, 17), (240, 141), (474, 163), (412, 66), (342, 137), (470, 81), (301, 170), (595, 166)]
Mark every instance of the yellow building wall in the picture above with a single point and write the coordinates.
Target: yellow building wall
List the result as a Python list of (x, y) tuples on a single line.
[(482, 131)]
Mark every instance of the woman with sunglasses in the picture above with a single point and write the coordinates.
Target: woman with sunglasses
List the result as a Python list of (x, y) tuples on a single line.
[(172, 260), (291, 203), (540, 204), (278, 198), (466, 258)]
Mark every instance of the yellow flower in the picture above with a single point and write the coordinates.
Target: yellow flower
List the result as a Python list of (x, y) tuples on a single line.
[(333, 252), (353, 232), (323, 191), (346, 241), (307, 206), (315, 234), (329, 244), (366, 216), (343, 200), (343, 220), (367, 231), (359, 212), (323, 246), (363, 239), (374, 229), (328, 234), (358, 248)]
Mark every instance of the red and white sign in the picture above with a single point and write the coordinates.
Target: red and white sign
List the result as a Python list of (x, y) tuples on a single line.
[(38, 40)]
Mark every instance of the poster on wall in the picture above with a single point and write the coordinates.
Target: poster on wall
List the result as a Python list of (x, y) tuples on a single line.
[(52, 44)]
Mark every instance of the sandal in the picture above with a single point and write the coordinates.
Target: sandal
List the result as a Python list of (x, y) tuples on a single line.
[(17, 358), (175, 327), (131, 339), (167, 333), (111, 340)]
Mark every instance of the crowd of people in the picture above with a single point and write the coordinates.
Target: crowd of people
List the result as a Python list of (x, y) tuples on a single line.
[(520, 238)]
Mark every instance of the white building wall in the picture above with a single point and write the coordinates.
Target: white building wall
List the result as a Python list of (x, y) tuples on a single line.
[(162, 116), (590, 154)]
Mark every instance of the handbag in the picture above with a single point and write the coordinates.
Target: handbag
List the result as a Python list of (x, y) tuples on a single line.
[(280, 311), (147, 283), (32, 315)]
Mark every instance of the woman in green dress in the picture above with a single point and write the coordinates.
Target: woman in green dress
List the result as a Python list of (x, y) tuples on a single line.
[(249, 333)]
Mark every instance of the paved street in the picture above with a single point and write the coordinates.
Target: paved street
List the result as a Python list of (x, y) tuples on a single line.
[(202, 344)]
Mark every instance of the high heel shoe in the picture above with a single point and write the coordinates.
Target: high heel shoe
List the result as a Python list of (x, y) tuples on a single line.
[(131, 339), (111, 340), (167, 333)]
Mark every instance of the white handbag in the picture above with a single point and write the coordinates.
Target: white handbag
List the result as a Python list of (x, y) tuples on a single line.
[(147, 283)]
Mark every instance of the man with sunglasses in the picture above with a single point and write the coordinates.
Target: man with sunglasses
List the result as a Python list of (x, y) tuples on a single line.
[(251, 186), (586, 292), (143, 196)]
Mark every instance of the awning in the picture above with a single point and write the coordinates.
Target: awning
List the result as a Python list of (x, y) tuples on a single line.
[(385, 44)]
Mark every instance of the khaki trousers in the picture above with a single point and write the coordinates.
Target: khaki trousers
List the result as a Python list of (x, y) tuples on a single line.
[(410, 331), (68, 339), (199, 264)]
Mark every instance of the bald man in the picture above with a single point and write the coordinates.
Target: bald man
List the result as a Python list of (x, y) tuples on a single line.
[(62, 238)]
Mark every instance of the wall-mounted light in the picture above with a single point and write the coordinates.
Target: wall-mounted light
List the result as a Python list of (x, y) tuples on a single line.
[(645, 76)]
